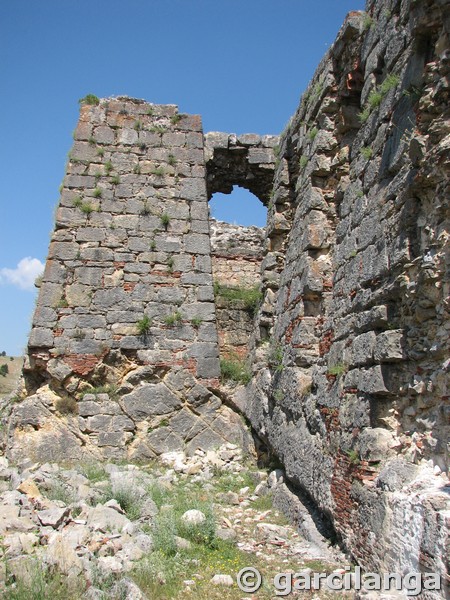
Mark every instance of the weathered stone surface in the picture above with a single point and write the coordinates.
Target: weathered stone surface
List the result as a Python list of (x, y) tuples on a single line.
[(149, 400)]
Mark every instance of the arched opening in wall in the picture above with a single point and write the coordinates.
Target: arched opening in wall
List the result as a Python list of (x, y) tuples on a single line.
[(241, 207), (237, 250)]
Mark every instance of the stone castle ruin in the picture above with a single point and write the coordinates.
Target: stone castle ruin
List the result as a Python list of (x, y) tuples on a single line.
[(347, 346)]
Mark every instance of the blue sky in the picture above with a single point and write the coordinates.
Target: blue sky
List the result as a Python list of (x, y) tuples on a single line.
[(241, 64)]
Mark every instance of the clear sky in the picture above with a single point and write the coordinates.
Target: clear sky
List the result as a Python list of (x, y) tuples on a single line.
[(241, 64)]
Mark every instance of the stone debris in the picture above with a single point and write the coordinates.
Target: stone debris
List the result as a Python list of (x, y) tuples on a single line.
[(79, 537), (225, 580)]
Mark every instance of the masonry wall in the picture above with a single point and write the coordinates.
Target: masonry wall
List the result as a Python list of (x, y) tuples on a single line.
[(123, 353), (236, 254), (351, 369)]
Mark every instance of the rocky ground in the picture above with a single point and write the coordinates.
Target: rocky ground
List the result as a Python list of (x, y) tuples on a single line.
[(182, 526)]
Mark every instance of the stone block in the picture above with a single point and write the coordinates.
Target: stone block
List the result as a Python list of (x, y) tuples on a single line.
[(150, 400), (186, 424), (193, 189), (260, 155), (362, 348), (41, 338), (128, 137), (63, 250), (44, 317), (104, 135), (196, 243), (389, 346), (79, 181), (208, 368), (90, 234), (374, 380), (90, 407), (204, 350), (164, 440)]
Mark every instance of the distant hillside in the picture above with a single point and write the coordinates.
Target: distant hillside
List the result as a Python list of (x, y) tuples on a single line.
[(9, 382)]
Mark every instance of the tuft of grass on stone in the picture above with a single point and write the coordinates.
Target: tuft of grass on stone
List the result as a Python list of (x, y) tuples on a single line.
[(249, 297), (367, 22), (303, 161), (67, 405), (87, 208), (158, 129), (313, 133), (174, 119), (143, 325), (338, 369), (165, 220), (95, 472), (90, 99), (234, 369), (367, 152), (158, 171), (175, 318)]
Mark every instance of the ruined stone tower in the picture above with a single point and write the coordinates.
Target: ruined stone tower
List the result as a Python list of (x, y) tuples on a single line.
[(348, 349)]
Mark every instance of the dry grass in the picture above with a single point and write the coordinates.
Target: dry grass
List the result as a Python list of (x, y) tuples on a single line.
[(9, 383)]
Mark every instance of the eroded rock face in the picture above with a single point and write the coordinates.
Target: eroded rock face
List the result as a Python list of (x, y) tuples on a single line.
[(351, 385)]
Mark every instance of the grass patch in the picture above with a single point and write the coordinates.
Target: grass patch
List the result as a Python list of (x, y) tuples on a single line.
[(174, 119), (175, 318), (367, 152), (250, 297), (353, 457), (90, 99), (376, 96), (338, 369), (303, 161), (234, 369), (276, 357), (313, 133), (165, 220), (94, 472), (158, 129), (143, 325), (130, 501), (367, 22), (158, 171), (87, 208), (39, 582), (58, 491), (107, 388), (67, 406)]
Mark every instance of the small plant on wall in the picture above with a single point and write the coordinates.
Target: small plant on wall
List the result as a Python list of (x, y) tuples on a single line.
[(175, 318), (165, 220), (90, 99), (143, 325), (233, 369)]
